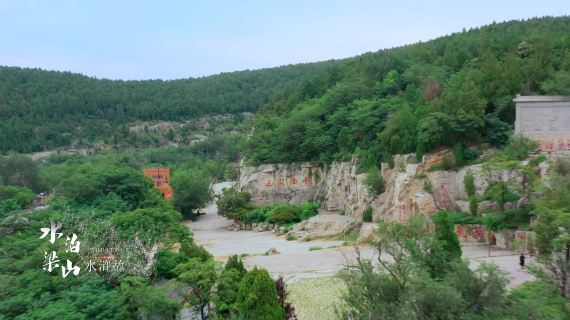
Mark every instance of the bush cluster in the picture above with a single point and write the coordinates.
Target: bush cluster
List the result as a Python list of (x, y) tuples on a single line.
[(235, 204)]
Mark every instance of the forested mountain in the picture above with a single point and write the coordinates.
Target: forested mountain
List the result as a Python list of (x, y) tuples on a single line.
[(454, 90), (46, 109)]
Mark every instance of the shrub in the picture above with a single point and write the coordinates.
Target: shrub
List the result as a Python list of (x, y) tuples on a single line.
[(367, 215), (225, 298), (165, 263), (473, 205), (308, 209), (536, 300), (374, 181), (458, 153), (21, 195), (257, 297), (232, 203), (257, 215), (282, 215), (518, 148), (445, 233), (235, 262), (315, 248), (469, 183)]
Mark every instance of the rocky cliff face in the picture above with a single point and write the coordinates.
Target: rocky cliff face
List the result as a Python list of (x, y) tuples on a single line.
[(410, 187), (293, 183)]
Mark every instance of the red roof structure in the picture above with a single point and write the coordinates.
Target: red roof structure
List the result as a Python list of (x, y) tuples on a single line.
[(161, 178)]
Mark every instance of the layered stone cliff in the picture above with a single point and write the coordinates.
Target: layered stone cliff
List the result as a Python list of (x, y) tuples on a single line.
[(410, 187)]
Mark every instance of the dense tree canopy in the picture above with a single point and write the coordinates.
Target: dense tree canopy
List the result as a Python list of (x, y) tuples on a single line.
[(454, 89), (46, 109)]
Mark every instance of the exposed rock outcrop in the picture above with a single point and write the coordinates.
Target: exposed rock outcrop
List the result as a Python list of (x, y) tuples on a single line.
[(324, 226), (411, 188)]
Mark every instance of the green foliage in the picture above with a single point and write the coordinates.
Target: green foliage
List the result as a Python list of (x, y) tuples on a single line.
[(233, 203), (200, 276), (374, 181), (553, 243), (518, 148), (257, 297), (225, 298), (453, 90), (92, 182), (502, 183), (281, 214), (154, 221), (71, 108), (192, 250), (445, 233), (483, 291), (191, 191), (509, 219), (165, 262), (496, 131), (415, 279), (469, 183), (458, 153), (140, 300), (537, 300), (367, 215), (235, 262), (284, 214), (20, 171), (473, 206), (15, 198), (308, 209)]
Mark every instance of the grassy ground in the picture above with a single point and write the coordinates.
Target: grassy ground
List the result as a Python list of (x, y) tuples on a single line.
[(315, 299)]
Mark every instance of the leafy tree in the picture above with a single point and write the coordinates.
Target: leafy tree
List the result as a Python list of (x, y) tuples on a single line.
[(536, 300), (191, 191), (408, 282), (257, 296), (150, 225), (21, 171), (22, 196), (192, 250), (165, 262), (502, 181), (444, 232), (233, 203), (469, 183), (458, 154), (553, 240), (225, 298), (200, 276), (92, 182), (235, 262), (374, 181), (140, 300)]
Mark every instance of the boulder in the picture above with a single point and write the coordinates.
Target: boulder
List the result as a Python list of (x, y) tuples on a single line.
[(324, 226)]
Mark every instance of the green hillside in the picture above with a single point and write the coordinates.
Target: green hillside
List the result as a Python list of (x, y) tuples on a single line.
[(457, 89), (454, 89), (47, 109)]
